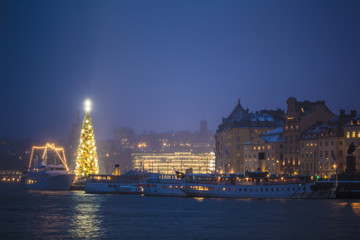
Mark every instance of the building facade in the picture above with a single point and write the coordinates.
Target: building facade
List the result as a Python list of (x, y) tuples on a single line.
[(239, 127), (167, 163), (299, 117), (352, 135), (264, 153), (322, 151)]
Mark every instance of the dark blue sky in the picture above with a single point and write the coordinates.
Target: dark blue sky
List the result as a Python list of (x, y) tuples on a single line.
[(166, 65)]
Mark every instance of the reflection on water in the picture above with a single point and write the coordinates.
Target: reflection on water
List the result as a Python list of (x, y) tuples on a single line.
[(75, 215), (343, 204), (86, 221), (356, 208), (199, 199)]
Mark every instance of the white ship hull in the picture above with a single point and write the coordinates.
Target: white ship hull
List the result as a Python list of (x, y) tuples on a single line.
[(104, 187), (46, 182), (284, 191), (163, 189)]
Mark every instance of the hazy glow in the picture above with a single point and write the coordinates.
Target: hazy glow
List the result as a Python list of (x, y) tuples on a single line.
[(87, 105)]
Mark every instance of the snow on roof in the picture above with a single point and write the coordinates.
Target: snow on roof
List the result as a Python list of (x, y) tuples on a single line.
[(273, 136)]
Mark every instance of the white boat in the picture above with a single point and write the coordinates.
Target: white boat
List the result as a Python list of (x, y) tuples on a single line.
[(44, 176), (164, 185), (236, 186), (129, 183)]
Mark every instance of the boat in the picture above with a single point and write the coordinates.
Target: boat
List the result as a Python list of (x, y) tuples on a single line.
[(164, 185), (129, 183), (44, 175), (256, 185)]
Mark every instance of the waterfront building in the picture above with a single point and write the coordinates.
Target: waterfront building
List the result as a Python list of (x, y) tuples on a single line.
[(239, 127), (352, 135), (10, 176), (322, 151), (265, 152), (299, 117), (322, 146), (167, 163)]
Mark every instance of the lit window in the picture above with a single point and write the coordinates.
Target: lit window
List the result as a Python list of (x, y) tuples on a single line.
[(348, 135), (353, 134), (358, 134)]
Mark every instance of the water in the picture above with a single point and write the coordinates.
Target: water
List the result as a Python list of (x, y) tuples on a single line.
[(76, 215)]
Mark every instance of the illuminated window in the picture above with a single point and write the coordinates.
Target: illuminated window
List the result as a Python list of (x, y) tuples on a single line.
[(358, 134), (353, 134), (348, 135)]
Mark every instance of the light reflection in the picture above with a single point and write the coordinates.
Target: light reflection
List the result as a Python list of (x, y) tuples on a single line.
[(356, 208), (199, 199), (86, 221)]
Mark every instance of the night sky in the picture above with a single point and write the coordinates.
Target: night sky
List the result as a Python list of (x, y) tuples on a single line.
[(166, 65)]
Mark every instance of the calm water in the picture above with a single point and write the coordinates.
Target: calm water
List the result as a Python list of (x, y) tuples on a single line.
[(75, 215)]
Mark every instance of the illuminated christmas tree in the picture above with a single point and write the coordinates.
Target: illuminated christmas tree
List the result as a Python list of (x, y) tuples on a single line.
[(86, 157)]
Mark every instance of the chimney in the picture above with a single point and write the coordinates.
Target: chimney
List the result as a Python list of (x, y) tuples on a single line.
[(353, 113), (116, 171), (342, 112)]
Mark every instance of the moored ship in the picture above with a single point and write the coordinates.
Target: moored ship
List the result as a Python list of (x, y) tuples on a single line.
[(130, 183), (43, 175), (164, 185), (256, 185)]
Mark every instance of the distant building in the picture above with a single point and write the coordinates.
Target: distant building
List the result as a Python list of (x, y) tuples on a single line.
[(203, 128), (239, 127), (265, 152), (167, 163), (124, 137), (73, 141), (299, 117)]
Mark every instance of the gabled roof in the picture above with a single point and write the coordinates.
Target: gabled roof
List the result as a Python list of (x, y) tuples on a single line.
[(241, 117), (315, 130), (273, 136)]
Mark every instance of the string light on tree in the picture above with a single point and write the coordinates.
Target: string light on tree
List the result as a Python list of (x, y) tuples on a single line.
[(87, 158)]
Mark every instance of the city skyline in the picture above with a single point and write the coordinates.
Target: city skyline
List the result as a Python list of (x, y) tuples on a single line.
[(165, 66)]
